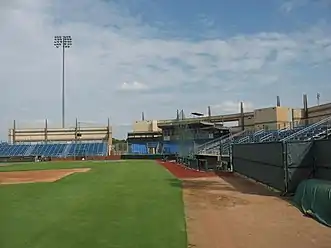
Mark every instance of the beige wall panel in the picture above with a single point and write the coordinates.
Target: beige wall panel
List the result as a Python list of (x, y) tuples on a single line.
[(58, 134), (141, 126), (265, 115), (146, 126)]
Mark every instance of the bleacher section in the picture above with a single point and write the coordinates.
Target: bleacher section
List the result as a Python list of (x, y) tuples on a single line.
[(143, 148), (54, 150), (11, 151), (319, 130), (222, 145), (138, 149), (170, 148), (160, 148), (51, 150), (87, 149)]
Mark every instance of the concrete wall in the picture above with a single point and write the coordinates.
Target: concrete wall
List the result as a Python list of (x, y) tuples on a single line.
[(265, 118), (248, 122), (317, 113), (271, 118), (276, 118), (59, 134), (284, 117), (145, 126), (298, 117)]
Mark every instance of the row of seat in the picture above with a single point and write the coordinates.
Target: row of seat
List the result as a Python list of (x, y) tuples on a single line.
[(301, 133), (138, 149), (142, 148), (54, 150)]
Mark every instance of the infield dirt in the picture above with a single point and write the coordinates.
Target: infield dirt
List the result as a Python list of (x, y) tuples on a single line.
[(16, 177)]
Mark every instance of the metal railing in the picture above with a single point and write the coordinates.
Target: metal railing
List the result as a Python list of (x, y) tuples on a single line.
[(307, 129), (213, 147)]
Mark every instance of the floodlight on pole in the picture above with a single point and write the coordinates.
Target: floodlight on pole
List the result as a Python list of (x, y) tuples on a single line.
[(63, 42)]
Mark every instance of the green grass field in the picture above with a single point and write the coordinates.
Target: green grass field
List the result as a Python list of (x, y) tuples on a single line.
[(116, 204)]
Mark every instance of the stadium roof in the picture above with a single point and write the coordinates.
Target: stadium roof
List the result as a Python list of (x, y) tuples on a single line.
[(199, 124)]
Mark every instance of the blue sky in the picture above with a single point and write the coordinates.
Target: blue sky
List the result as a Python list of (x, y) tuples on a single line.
[(157, 56)]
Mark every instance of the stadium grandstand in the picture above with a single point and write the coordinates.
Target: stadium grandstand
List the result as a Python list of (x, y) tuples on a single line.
[(78, 142), (145, 139), (209, 135), (151, 137)]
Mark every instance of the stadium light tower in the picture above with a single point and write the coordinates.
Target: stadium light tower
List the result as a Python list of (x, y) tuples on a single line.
[(63, 42)]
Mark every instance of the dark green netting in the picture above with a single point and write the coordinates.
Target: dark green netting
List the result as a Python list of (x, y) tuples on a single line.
[(313, 198)]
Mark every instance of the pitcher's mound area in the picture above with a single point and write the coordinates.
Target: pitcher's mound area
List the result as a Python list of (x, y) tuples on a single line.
[(16, 177)]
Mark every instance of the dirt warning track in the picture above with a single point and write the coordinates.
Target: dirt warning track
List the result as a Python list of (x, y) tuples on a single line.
[(180, 171), (16, 177), (233, 212)]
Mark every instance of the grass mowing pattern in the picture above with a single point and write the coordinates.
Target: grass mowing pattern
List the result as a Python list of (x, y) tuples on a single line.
[(125, 204)]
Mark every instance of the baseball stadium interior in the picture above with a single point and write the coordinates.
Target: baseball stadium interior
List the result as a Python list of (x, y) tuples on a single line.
[(211, 135), (196, 135), (165, 124), (278, 146)]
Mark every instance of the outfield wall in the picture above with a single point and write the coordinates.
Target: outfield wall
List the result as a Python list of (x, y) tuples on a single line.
[(283, 166), (110, 157)]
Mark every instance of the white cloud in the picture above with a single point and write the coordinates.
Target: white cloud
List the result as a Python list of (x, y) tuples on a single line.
[(290, 5), (134, 86), (287, 6), (161, 75)]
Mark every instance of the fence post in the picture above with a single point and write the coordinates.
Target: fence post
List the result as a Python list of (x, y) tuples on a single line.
[(314, 158), (285, 165), (230, 156)]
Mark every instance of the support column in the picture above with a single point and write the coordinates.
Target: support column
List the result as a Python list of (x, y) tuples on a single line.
[(14, 132), (278, 101), (305, 109), (109, 137), (46, 130), (76, 129), (242, 116)]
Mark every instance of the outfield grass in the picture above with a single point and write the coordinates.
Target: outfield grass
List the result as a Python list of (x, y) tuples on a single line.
[(116, 204)]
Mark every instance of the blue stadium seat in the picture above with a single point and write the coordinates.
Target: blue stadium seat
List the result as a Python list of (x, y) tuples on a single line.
[(139, 149), (170, 148), (88, 149), (54, 150)]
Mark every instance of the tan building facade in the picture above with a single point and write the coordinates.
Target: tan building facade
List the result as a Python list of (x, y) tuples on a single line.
[(65, 135), (146, 126), (271, 118)]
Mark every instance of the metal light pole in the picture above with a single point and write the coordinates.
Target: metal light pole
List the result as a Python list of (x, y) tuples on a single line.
[(63, 42)]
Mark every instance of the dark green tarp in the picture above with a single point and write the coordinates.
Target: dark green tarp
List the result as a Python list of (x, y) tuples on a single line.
[(313, 198)]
